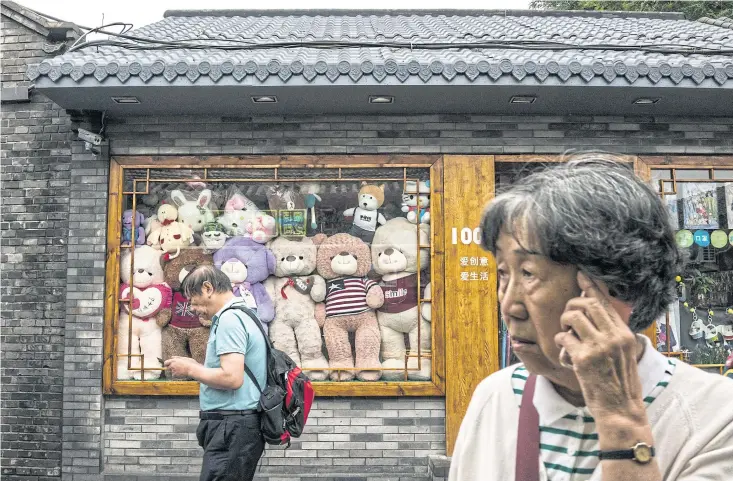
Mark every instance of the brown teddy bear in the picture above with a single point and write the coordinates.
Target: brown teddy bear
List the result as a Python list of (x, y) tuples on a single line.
[(185, 335), (344, 261)]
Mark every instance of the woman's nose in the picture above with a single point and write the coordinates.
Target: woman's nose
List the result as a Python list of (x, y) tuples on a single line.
[(510, 298)]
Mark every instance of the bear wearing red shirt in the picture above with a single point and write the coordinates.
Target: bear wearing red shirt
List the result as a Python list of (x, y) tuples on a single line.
[(396, 256)]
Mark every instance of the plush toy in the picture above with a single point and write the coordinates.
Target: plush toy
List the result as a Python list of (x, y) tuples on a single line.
[(394, 256), (310, 192), (344, 261), (413, 195), (196, 214), (172, 238), (155, 195), (213, 237), (132, 228), (365, 216), (165, 215), (247, 264), (186, 334), (243, 218), (151, 300), (295, 293)]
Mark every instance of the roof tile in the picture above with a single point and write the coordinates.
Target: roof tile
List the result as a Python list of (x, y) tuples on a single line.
[(510, 55)]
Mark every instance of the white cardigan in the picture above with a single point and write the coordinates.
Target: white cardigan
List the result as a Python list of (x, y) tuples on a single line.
[(692, 424)]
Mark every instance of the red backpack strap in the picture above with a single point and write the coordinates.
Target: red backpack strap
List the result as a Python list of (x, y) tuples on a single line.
[(528, 436)]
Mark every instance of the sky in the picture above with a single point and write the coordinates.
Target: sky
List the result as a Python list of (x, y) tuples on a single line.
[(90, 12)]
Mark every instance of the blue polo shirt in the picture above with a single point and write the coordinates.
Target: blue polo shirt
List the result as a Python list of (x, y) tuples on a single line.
[(234, 331)]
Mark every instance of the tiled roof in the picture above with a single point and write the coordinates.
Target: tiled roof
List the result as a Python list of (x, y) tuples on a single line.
[(429, 46)]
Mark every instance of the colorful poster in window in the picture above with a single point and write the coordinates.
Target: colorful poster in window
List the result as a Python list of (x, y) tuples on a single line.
[(292, 223), (699, 204)]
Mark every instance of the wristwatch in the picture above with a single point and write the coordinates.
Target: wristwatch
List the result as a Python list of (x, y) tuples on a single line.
[(642, 453)]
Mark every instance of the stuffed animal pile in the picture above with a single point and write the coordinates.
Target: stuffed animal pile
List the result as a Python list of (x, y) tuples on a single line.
[(344, 306)]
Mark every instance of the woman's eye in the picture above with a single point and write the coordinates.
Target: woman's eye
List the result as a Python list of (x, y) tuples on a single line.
[(234, 225), (301, 258), (526, 273)]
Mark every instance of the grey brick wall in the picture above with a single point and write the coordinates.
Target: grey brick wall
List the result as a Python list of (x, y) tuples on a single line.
[(447, 133), (346, 439), (82, 378), (34, 222)]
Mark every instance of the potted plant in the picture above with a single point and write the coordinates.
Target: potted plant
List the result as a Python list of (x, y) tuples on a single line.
[(701, 285)]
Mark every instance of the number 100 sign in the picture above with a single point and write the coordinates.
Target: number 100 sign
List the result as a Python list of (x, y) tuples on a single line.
[(466, 235)]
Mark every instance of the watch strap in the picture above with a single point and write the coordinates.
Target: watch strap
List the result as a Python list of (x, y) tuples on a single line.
[(622, 454)]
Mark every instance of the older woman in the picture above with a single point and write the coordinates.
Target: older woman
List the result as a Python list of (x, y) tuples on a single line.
[(586, 260)]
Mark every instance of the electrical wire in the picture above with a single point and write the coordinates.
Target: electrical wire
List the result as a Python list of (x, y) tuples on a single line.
[(113, 24), (234, 44)]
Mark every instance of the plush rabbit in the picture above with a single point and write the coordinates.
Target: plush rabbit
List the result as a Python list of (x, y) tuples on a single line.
[(196, 214)]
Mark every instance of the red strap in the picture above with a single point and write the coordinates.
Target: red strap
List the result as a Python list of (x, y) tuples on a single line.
[(290, 282), (528, 436)]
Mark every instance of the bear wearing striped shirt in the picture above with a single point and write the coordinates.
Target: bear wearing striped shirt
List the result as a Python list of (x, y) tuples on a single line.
[(351, 299)]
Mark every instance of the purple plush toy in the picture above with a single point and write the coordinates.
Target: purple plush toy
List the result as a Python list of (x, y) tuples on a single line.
[(247, 264), (129, 230)]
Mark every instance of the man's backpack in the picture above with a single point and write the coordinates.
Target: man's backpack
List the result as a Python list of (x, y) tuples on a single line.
[(286, 400)]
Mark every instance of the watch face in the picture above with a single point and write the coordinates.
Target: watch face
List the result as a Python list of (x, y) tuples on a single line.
[(642, 453)]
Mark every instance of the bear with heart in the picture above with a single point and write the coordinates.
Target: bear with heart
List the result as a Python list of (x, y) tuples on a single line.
[(145, 308)]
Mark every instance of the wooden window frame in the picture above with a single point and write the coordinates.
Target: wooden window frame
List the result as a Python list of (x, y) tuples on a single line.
[(434, 387)]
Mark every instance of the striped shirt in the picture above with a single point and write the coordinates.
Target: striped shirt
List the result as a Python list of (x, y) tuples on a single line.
[(568, 438), (347, 295)]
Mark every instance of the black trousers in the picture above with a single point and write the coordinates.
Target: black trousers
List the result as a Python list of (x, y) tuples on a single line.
[(232, 446)]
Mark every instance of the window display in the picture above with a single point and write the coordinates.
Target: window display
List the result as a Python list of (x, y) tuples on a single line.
[(699, 327), (335, 261)]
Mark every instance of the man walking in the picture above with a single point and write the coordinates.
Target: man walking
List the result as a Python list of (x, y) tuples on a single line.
[(229, 430)]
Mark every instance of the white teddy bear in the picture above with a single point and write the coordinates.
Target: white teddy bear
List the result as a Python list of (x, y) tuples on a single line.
[(141, 332), (295, 290)]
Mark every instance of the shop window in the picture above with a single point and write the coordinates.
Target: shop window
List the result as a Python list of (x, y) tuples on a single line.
[(336, 260), (698, 327)]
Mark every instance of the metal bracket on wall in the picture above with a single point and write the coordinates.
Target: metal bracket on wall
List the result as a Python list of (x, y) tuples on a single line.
[(15, 95)]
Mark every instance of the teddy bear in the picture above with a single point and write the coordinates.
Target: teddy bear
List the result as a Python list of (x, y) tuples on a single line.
[(132, 228), (166, 214), (351, 297), (366, 216), (295, 292), (151, 300), (172, 238), (195, 214), (213, 237), (395, 258), (414, 194), (243, 218), (247, 264), (186, 334)]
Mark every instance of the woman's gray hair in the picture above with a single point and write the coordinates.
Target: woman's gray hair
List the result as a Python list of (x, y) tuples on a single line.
[(594, 213), (193, 282)]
